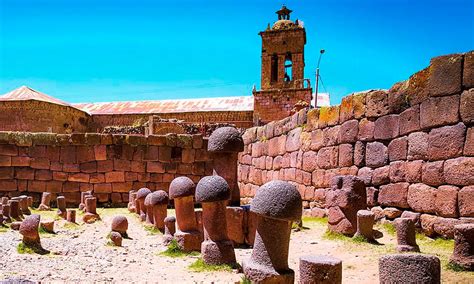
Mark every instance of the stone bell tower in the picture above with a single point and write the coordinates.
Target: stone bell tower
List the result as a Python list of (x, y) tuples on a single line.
[(282, 75)]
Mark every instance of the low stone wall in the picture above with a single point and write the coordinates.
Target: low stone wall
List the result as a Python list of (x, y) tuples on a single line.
[(111, 165), (413, 145)]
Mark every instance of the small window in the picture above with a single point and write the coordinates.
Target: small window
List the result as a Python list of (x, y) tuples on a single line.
[(288, 68)]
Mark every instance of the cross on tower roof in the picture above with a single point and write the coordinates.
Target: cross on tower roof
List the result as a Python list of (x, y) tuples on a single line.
[(284, 13)]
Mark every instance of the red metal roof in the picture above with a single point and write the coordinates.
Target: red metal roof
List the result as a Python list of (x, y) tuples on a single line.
[(25, 93), (244, 103)]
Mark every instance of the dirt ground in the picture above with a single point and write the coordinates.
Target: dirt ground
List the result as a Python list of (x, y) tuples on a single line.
[(81, 254)]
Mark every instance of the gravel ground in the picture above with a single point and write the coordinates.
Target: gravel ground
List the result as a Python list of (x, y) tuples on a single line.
[(80, 254)]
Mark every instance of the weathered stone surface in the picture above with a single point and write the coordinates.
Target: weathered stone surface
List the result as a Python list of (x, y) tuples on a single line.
[(439, 111), (398, 149), (395, 194), (466, 201), (349, 131), (293, 142), (235, 218), (418, 146), (276, 146), (29, 230), (446, 142), (467, 106), (377, 104), (421, 198), (346, 196), (212, 189), (427, 224), (366, 130), (445, 75), (268, 202), (381, 175), (414, 216), (372, 196), (409, 268), (459, 171), (328, 116), (409, 171), (446, 201), (432, 173), (376, 154), (463, 246), (359, 154), (328, 157), (120, 225), (469, 144), (331, 135), (445, 226), (346, 153), (392, 212), (387, 127), (406, 235), (310, 161), (116, 238), (225, 139), (320, 269), (410, 120), (365, 174), (468, 71)]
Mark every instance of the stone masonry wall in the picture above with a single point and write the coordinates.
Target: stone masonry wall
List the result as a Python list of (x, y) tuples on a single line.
[(111, 165), (413, 145)]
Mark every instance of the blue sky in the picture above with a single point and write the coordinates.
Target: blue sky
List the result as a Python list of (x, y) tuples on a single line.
[(109, 50)]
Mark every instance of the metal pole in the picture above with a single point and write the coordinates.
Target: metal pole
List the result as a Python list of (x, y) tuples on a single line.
[(316, 91)]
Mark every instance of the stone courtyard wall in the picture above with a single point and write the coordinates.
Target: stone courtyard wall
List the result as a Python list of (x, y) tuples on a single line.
[(111, 165), (413, 145)]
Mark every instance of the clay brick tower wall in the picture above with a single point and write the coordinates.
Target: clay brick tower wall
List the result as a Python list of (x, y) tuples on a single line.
[(282, 74)]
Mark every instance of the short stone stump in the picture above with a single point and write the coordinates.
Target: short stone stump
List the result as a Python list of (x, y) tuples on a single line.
[(320, 269), (409, 268)]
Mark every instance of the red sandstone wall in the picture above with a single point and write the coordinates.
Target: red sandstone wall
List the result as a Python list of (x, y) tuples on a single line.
[(37, 116), (111, 165), (412, 145)]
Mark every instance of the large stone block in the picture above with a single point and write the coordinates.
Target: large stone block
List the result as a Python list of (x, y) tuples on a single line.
[(376, 154), (359, 104), (346, 154), (468, 145), (406, 171), (468, 71), (410, 120), (439, 111), (377, 104), (381, 175), (446, 201), (348, 132), (331, 135), (459, 171), (293, 140), (317, 139), (328, 157), (445, 75), (359, 154), (432, 173), (328, 116), (394, 194), (467, 106), (346, 110), (446, 142), (235, 225), (466, 201), (421, 198), (398, 149), (365, 174), (418, 146), (277, 146), (366, 130), (387, 127), (310, 159)]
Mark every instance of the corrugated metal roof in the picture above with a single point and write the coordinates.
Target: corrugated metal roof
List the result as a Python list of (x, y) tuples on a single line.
[(25, 93), (244, 103)]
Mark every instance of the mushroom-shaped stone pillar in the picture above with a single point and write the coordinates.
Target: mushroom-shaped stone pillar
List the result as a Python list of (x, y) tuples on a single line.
[(182, 192), (120, 225), (224, 144), (29, 230), (91, 210), (45, 201), (157, 203), (141, 209), (213, 192), (276, 205), (406, 235)]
